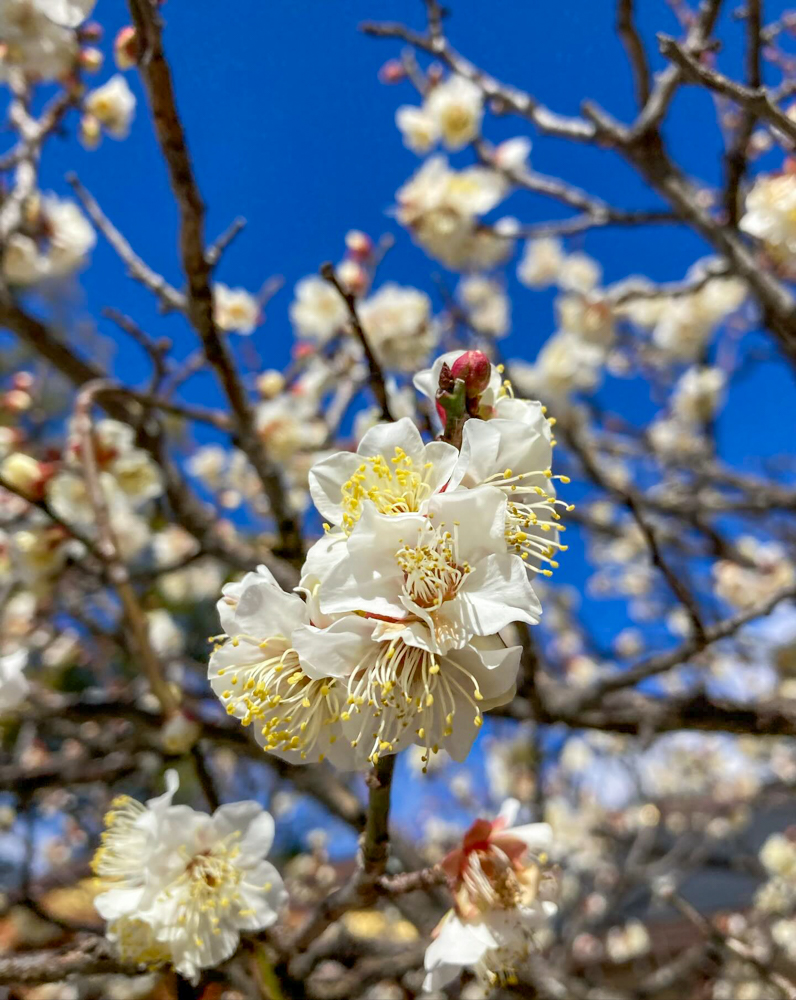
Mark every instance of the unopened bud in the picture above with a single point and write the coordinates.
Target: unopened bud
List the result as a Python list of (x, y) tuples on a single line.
[(91, 59), (352, 275), (474, 369), (359, 245), (125, 48), (24, 473), (90, 131), (17, 401), (91, 31), (179, 733), (270, 383), (23, 380), (392, 72)]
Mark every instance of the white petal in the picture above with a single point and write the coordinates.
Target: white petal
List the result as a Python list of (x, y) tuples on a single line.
[(327, 478), (261, 608), (476, 518), (494, 595), (538, 837), (383, 439), (117, 903), (369, 577), (333, 651), (256, 827)]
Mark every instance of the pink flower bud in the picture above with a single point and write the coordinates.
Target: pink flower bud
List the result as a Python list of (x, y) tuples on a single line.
[(23, 380), (125, 48), (91, 31), (474, 369), (91, 59), (392, 72), (359, 245)]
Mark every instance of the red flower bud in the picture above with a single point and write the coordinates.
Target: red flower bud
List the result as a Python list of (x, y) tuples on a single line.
[(392, 72), (474, 369)]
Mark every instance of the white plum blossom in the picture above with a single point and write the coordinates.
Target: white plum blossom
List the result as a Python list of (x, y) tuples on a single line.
[(235, 310), (541, 262), (22, 262), (442, 208), (70, 234), (397, 322), (432, 591), (451, 113), (113, 106), (456, 105), (14, 685), (770, 215), (392, 469), (262, 679), (566, 364), (180, 885), (419, 130), (318, 311), (488, 306), (499, 918), (38, 38), (698, 394)]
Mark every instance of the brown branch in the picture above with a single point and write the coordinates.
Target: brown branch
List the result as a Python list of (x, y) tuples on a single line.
[(510, 98), (363, 889), (662, 662), (736, 157), (753, 99), (678, 587), (108, 550), (375, 374), (637, 57), (87, 955), (156, 77), (169, 298)]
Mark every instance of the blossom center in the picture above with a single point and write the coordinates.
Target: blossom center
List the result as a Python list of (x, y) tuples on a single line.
[(397, 486), (432, 571)]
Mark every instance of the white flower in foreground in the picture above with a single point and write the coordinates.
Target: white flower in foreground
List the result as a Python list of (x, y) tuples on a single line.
[(498, 919), (235, 309), (113, 106), (541, 262), (770, 214), (180, 885), (263, 681), (514, 457), (397, 323), (431, 592), (457, 107), (392, 469), (14, 685), (318, 312)]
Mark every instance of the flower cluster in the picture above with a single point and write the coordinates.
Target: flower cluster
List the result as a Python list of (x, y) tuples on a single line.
[(426, 558), (179, 886), (499, 914)]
